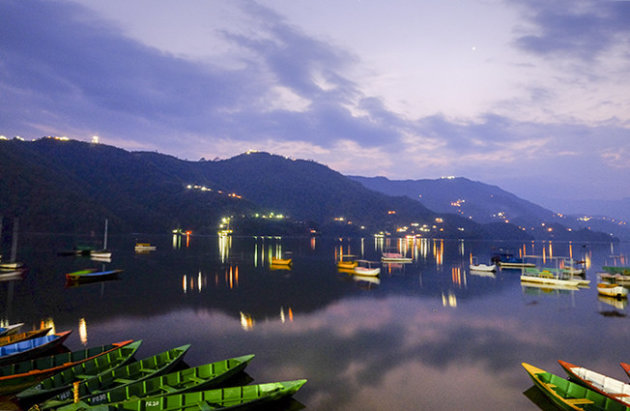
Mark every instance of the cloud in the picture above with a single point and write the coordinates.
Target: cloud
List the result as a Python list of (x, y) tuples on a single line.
[(584, 29)]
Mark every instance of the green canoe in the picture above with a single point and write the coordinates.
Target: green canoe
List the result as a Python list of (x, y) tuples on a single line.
[(570, 396), (121, 377), (222, 398), (199, 378), (88, 369), (21, 375)]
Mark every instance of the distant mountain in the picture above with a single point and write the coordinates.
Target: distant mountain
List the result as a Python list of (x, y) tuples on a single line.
[(485, 203), (72, 186)]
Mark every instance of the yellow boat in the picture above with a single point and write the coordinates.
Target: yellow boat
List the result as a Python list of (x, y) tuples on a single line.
[(281, 261)]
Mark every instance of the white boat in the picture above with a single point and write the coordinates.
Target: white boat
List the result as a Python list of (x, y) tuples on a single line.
[(546, 277), (607, 386), (365, 268), (483, 267), (395, 258), (144, 247), (612, 290), (104, 253)]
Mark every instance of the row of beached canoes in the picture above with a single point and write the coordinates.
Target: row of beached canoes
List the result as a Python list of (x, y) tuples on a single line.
[(584, 390), (108, 378)]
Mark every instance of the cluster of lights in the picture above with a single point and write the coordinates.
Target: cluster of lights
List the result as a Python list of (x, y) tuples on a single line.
[(458, 203), (270, 216), (204, 188)]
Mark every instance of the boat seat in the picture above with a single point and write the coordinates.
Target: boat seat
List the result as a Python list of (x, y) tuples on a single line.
[(168, 388), (196, 379), (147, 370), (123, 381), (575, 401)]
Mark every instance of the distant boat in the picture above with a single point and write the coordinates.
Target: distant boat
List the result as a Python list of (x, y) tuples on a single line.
[(104, 252), (546, 277), (620, 279), (616, 269), (612, 290), (13, 275), (348, 264), (282, 261), (365, 268), (12, 265), (92, 275), (144, 247), (395, 258), (509, 261)]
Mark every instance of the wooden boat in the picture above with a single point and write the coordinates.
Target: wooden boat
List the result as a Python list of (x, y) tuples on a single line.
[(546, 277), (365, 268), (281, 261), (568, 395), (19, 376), (509, 261), (11, 266), (612, 290), (607, 386), (92, 275), (144, 247), (244, 396), (17, 337), (120, 377), (483, 267), (31, 348), (13, 275), (395, 258), (10, 329), (348, 264), (190, 379), (612, 269), (88, 369), (620, 279)]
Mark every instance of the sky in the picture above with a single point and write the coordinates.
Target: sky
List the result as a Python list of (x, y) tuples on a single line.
[(529, 95)]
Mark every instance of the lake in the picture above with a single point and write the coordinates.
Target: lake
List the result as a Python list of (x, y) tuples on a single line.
[(426, 335)]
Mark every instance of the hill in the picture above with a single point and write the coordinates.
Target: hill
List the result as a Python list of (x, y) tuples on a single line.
[(71, 187), (487, 204)]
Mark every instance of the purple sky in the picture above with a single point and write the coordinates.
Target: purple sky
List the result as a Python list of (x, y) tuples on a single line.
[(530, 95)]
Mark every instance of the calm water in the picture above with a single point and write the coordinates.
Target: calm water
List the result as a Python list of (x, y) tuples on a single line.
[(427, 335)]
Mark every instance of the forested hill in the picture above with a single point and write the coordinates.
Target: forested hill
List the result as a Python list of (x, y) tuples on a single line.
[(72, 186)]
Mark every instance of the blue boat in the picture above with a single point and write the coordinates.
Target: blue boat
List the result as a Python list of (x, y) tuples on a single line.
[(31, 348)]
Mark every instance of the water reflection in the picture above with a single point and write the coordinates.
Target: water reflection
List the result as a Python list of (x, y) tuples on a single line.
[(363, 343)]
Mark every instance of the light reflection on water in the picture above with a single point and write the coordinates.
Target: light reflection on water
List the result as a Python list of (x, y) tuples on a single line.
[(425, 335)]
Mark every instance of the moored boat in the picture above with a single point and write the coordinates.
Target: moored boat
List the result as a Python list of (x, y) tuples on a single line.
[(546, 277), (19, 376), (607, 386), (612, 290), (395, 258), (483, 267), (10, 329), (509, 261), (13, 274), (568, 395), (17, 337), (31, 348), (626, 367), (92, 275), (120, 377), (281, 261), (144, 247), (232, 397), (198, 378), (615, 269), (83, 371), (365, 268), (347, 262)]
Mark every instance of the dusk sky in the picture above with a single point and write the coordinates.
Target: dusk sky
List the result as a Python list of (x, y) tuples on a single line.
[(530, 95)]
